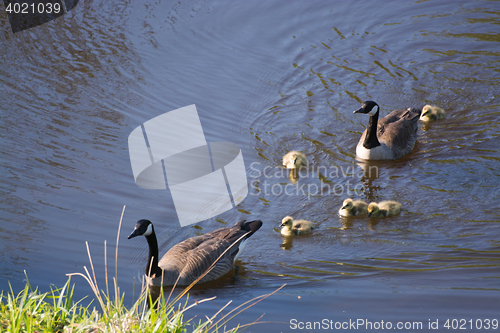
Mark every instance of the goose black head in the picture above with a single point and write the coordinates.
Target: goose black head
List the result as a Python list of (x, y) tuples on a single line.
[(368, 107), (143, 227)]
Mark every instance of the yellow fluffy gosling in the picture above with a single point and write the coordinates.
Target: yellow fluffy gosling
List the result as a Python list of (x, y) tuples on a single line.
[(431, 113), (289, 227), (353, 208), (294, 160), (383, 208)]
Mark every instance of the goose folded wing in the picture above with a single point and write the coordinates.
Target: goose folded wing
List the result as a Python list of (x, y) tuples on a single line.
[(398, 130), (199, 259)]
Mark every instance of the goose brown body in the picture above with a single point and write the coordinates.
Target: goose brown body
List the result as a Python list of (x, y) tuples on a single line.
[(189, 259)]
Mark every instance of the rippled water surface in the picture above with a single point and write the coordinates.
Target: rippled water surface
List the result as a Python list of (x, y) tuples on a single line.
[(270, 77)]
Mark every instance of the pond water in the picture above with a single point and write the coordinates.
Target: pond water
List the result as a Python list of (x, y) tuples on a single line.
[(270, 77)]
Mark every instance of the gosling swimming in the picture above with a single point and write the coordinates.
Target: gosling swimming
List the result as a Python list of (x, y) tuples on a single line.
[(294, 160), (383, 208), (289, 227), (389, 138), (353, 208), (431, 113)]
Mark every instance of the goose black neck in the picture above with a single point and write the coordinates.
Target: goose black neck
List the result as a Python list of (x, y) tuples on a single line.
[(371, 140), (152, 267)]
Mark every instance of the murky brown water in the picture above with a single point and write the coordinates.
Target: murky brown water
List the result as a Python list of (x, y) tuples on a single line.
[(270, 77)]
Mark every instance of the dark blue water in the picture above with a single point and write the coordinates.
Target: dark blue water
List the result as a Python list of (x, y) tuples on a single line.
[(270, 77)]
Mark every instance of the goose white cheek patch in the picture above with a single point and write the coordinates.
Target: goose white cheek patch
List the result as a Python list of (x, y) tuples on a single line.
[(373, 110), (149, 230)]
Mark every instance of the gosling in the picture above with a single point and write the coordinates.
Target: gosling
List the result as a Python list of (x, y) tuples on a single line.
[(289, 227), (431, 113), (353, 208), (383, 208), (294, 160)]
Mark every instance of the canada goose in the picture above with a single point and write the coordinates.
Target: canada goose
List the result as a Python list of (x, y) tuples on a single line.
[(294, 160), (353, 208), (390, 137), (383, 208), (189, 259), (430, 113), (289, 227)]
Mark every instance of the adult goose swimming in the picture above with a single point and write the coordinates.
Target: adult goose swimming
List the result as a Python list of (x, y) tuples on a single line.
[(189, 259), (390, 137)]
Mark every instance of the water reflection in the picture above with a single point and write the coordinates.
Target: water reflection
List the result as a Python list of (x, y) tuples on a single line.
[(347, 222), (294, 176), (237, 281), (360, 221), (371, 171), (287, 243)]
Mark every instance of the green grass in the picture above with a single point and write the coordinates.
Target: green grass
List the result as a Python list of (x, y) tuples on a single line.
[(56, 311)]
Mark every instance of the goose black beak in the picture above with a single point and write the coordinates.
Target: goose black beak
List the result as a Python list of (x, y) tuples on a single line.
[(134, 233), (360, 110), (343, 207), (369, 214)]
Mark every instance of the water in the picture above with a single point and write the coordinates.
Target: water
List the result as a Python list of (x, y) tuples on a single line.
[(270, 77)]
